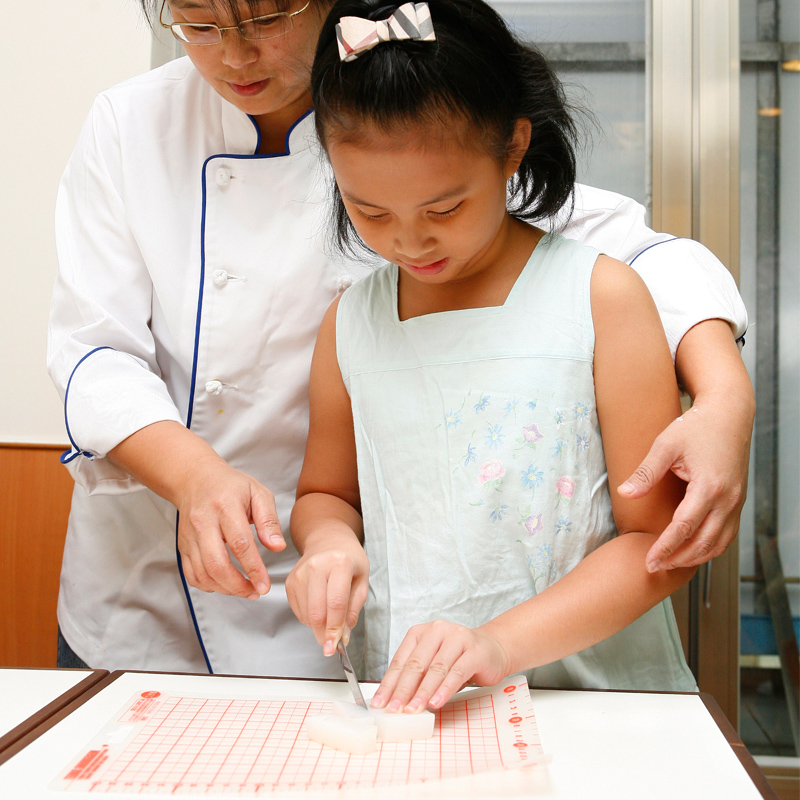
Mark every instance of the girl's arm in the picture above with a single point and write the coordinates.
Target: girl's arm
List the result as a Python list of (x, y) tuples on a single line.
[(637, 396), (328, 585)]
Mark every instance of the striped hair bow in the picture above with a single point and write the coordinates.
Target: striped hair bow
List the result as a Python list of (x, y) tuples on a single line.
[(410, 21)]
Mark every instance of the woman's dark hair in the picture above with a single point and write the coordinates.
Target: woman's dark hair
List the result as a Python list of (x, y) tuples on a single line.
[(476, 71)]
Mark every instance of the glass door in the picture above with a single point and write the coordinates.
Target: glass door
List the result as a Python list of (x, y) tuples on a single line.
[(770, 284)]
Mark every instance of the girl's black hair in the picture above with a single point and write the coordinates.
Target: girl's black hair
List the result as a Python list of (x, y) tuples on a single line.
[(476, 71)]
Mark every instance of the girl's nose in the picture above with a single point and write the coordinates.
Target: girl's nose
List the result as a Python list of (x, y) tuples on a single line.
[(414, 246), (238, 52)]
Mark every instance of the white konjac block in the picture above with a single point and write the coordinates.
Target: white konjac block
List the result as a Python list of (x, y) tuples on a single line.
[(391, 727), (403, 727), (355, 736)]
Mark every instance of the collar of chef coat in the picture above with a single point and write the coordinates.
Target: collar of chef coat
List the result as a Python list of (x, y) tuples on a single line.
[(241, 133)]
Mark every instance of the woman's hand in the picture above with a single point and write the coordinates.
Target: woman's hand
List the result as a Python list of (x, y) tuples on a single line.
[(328, 586), (434, 661), (708, 447), (216, 506)]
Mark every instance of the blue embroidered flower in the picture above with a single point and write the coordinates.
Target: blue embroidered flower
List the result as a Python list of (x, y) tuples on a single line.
[(499, 513), (582, 441), (510, 407), (559, 418), (558, 447), (581, 410), (532, 477), (481, 404), (532, 405), (453, 418), (563, 525), (544, 552), (470, 457), (495, 436)]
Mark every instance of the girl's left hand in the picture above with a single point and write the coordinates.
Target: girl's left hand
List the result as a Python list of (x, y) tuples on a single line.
[(434, 661)]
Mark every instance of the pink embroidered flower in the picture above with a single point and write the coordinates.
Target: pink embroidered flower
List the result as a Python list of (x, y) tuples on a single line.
[(491, 471), (534, 524), (565, 487), (532, 433)]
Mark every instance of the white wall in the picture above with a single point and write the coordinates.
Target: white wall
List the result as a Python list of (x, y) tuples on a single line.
[(51, 72)]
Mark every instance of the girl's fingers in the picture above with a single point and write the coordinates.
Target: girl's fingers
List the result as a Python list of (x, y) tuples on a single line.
[(438, 648), (394, 670), (446, 669), (339, 584), (358, 596), (297, 596), (317, 605), (460, 673)]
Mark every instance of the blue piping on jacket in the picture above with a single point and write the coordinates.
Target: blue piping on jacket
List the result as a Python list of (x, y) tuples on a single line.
[(650, 247), (71, 455), (198, 320)]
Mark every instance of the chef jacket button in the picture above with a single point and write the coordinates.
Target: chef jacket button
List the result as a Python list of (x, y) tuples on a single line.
[(223, 176), (214, 387), (220, 277), (345, 282)]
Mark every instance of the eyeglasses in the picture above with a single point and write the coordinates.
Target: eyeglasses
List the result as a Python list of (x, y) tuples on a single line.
[(267, 27)]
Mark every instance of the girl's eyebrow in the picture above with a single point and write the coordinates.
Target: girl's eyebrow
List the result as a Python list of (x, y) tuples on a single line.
[(438, 199)]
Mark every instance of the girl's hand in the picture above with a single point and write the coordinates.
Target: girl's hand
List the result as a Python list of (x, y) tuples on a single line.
[(216, 506), (328, 587), (434, 661)]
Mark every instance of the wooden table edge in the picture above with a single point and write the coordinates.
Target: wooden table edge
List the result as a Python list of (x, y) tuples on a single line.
[(45, 718)]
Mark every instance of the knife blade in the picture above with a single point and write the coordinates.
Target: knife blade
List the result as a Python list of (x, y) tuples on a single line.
[(350, 674)]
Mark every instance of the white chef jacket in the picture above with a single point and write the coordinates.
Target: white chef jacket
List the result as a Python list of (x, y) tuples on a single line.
[(193, 275)]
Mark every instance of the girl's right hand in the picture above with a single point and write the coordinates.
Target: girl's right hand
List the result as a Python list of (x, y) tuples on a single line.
[(328, 587)]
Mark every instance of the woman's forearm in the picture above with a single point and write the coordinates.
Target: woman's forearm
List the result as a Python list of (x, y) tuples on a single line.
[(164, 457), (708, 363), (605, 592)]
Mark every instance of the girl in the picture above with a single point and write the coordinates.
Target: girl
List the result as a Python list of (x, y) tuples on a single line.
[(473, 400)]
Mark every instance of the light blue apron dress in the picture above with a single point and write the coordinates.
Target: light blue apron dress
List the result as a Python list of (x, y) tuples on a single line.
[(481, 468)]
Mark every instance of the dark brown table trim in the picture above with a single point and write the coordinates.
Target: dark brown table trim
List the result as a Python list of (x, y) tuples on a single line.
[(740, 750), (26, 729)]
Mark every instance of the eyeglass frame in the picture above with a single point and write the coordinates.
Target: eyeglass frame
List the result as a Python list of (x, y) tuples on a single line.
[(228, 27)]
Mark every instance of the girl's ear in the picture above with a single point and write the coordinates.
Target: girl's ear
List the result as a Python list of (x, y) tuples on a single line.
[(518, 146)]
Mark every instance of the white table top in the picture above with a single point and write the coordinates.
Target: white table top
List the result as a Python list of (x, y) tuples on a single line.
[(23, 692), (602, 745)]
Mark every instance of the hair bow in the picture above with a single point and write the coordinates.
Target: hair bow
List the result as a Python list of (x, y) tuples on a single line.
[(410, 21)]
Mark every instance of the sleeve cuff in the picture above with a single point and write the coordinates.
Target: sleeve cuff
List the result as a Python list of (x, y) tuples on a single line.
[(689, 285), (110, 395)]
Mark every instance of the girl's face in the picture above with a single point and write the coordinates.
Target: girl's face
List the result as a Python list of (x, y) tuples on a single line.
[(429, 204), (263, 77)]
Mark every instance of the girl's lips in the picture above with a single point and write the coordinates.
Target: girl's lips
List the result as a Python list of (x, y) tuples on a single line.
[(249, 89), (427, 269)]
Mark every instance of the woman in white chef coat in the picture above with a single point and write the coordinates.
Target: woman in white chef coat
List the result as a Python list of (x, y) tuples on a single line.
[(192, 278)]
